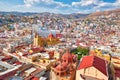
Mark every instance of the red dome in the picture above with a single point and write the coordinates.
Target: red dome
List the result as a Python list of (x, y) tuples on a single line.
[(67, 57), (51, 35)]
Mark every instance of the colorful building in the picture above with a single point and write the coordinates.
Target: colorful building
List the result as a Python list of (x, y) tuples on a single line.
[(99, 53), (92, 68), (35, 41), (65, 68)]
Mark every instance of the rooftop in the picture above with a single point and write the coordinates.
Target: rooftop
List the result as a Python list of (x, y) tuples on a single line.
[(89, 61)]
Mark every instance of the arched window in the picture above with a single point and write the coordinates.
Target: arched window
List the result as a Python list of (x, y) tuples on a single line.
[(57, 73), (64, 60), (43, 61)]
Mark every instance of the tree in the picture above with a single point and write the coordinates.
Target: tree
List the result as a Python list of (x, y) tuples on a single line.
[(80, 52)]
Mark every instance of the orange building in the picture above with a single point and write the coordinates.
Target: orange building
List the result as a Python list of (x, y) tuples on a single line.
[(41, 41), (65, 68)]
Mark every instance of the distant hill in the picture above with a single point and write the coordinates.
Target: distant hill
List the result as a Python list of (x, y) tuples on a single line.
[(95, 14), (70, 16), (17, 13), (75, 16)]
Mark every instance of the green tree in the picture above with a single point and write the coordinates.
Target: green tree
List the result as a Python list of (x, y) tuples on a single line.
[(80, 52)]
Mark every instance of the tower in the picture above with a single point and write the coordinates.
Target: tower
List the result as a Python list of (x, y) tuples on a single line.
[(35, 41), (65, 68)]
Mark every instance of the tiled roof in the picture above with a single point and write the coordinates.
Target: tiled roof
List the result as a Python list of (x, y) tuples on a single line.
[(117, 72), (98, 63)]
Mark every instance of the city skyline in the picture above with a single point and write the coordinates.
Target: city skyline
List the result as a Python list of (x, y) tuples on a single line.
[(59, 6)]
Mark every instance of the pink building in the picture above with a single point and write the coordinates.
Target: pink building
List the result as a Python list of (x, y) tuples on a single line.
[(65, 68)]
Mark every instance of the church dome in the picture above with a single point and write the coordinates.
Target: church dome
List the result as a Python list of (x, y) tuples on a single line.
[(60, 67), (67, 57), (50, 35)]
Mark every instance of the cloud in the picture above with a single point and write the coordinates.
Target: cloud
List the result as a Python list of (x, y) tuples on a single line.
[(44, 3), (82, 6), (47, 6), (117, 3), (86, 3), (95, 5)]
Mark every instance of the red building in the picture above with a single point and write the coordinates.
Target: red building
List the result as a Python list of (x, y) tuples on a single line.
[(92, 68)]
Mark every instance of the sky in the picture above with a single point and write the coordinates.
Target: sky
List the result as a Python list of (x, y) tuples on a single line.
[(59, 6)]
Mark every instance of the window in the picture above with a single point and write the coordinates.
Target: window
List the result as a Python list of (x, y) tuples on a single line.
[(64, 60), (43, 61), (57, 73)]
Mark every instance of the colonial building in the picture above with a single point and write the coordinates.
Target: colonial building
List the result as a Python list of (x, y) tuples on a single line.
[(65, 68), (92, 68), (50, 36), (35, 41)]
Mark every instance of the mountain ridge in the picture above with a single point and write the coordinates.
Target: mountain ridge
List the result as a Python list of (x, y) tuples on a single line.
[(107, 12), (69, 16)]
